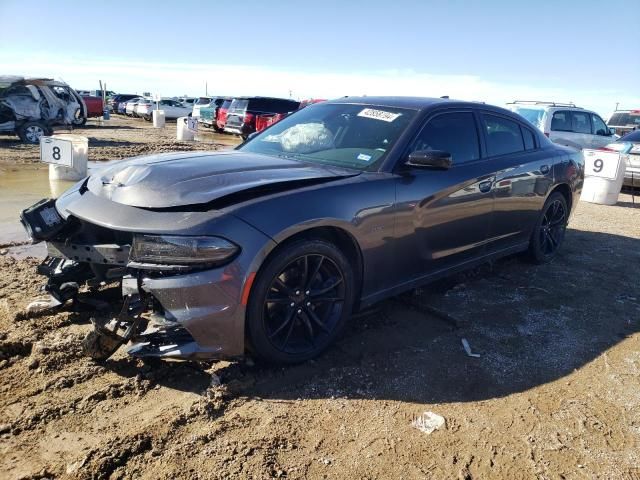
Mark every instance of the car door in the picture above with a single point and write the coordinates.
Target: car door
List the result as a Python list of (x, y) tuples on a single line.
[(581, 127), (601, 133), (561, 130), (443, 215), (524, 174)]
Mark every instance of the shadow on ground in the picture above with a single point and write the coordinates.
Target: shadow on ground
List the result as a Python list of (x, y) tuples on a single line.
[(530, 324)]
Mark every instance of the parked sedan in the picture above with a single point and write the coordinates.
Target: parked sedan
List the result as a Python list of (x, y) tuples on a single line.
[(336, 207), (629, 148)]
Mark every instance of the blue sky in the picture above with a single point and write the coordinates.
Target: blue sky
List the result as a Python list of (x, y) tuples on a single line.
[(491, 50)]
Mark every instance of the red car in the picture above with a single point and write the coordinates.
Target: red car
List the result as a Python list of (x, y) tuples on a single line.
[(221, 114), (94, 108), (263, 121)]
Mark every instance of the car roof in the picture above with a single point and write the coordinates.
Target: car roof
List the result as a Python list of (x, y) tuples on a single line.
[(421, 103)]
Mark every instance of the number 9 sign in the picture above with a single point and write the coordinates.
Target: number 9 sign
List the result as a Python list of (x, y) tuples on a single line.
[(603, 164)]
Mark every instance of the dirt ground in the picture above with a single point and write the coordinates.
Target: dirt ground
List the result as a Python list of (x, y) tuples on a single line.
[(554, 394)]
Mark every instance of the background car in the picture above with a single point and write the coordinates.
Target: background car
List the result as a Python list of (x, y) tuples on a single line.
[(115, 100), (32, 107), (201, 102), (629, 148), (565, 124), (94, 109), (221, 115), (208, 114), (624, 121), (130, 106), (338, 206), (172, 109), (241, 117), (188, 101)]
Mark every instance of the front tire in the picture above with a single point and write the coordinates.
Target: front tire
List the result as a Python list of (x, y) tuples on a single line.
[(31, 132), (300, 302), (548, 234)]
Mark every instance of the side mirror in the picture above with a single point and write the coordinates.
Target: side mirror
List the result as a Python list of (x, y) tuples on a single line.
[(612, 131), (434, 159)]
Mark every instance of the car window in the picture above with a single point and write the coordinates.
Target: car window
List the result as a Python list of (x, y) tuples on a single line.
[(580, 122), (238, 105), (529, 138), (599, 128), (503, 136), (454, 133), (532, 114), (561, 121)]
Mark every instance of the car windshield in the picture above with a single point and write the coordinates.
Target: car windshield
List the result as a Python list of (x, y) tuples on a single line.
[(623, 119), (343, 135), (534, 115)]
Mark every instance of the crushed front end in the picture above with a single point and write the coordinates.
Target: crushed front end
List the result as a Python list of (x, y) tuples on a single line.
[(181, 294)]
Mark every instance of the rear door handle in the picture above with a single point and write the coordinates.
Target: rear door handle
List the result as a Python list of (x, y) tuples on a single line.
[(485, 186), (544, 169)]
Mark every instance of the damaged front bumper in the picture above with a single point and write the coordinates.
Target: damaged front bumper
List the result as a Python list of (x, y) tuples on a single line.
[(185, 312)]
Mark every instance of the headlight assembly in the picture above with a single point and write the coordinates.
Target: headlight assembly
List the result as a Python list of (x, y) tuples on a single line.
[(181, 250)]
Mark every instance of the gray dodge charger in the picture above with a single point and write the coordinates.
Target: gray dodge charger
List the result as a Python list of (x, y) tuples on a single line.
[(272, 246)]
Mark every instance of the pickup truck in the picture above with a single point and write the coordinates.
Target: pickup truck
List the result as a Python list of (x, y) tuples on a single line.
[(94, 109)]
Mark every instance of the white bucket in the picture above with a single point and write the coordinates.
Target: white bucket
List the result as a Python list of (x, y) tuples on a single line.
[(158, 118), (79, 146), (183, 132), (603, 177)]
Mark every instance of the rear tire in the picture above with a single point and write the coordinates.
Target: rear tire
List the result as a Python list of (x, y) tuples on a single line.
[(300, 302), (548, 234)]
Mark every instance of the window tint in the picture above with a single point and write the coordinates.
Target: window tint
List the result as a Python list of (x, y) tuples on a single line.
[(451, 132), (580, 122), (529, 140), (561, 122), (503, 136), (599, 128)]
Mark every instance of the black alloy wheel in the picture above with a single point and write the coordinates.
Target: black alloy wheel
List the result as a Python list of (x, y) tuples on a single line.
[(550, 230), (300, 302)]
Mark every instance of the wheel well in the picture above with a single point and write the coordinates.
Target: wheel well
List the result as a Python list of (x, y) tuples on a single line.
[(564, 189), (344, 241)]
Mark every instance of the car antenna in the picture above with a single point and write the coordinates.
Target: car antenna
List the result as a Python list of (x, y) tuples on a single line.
[(445, 96)]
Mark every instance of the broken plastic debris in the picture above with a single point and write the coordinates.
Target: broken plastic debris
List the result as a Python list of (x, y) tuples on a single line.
[(428, 422), (42, 304), (467, 349)]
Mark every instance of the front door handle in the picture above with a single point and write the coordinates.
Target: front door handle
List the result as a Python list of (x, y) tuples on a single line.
[(485, 186), (544, 169)]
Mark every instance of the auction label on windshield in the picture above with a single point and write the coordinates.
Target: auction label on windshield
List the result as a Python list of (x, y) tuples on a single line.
[(379, 114)]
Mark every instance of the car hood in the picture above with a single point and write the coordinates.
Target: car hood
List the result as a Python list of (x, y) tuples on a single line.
[(184, 179)]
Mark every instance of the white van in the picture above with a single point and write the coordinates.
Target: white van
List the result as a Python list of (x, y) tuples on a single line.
[(566, 124)]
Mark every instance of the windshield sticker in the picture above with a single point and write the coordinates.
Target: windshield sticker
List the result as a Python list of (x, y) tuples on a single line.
[(379, 114), (364, 157)]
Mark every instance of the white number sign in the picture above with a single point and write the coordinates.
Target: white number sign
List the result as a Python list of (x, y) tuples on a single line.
[(598, 163), (192, 123), (56, 151)]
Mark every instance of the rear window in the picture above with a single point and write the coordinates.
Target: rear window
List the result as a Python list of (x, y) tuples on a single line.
[(534, 115), (203, 101), (238, 105), (580, 122), (503, 136), (622, 119), (561, 122), (226, 104)]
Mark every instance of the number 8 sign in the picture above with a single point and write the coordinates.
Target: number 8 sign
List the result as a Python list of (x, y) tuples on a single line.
[(57, 151), (598, 163)]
